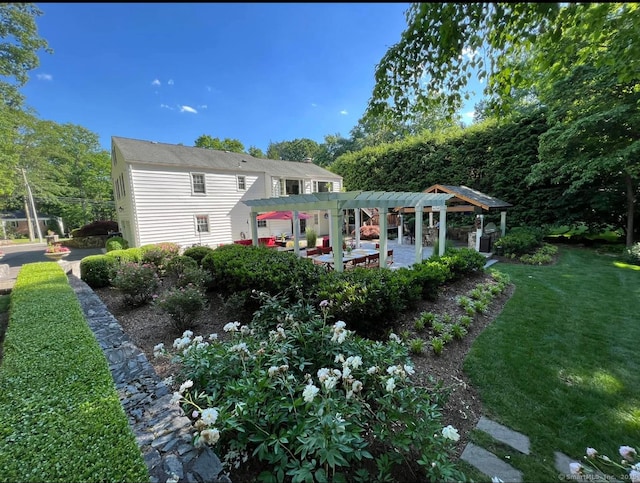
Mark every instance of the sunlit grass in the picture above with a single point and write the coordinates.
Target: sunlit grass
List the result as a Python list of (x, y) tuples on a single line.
[(560, 363)]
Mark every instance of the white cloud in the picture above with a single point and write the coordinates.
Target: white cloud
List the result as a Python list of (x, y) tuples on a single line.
[(208, 88), (468, 53), (165, 106), (45, 77), (188, 109), (313, 104), (156, 82), (170, 82), (202, 106), (469, 115), (344, 112)]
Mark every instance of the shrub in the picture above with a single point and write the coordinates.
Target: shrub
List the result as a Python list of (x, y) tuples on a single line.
[(429, 275), (183, 304), (138, 283), (130, 255), (311, 236), (519, 241), (159, 254), (97, 270), (95, 229), (299, 399), (198, 253), (116, 243), (458, 331), (365, 298), (462, 262), (62, 419), (632, 254)]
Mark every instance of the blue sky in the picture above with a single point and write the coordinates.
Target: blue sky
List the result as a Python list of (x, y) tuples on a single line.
[(170, 72)]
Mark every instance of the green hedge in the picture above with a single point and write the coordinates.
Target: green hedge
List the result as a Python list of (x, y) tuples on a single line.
[(97, 270), (60, 416)]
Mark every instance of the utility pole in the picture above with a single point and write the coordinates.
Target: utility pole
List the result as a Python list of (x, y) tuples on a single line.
[(33, 207)]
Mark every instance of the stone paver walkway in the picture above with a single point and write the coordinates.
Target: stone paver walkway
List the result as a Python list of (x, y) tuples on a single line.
[(492, 466)]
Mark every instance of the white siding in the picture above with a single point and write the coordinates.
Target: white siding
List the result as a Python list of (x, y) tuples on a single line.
[(166, 208)]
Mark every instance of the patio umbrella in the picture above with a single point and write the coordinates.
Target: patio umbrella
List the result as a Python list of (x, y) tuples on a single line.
[(281, 215)]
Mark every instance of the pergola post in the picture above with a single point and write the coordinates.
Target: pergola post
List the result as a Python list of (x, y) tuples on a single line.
[(418, 228), (431, 219), (382, 223), (296, 233), (400, 228), (357, 227), (254, 228), (336, 238), (503, 222), (442, 230)]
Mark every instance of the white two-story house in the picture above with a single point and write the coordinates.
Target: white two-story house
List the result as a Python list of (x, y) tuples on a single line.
[(190, 195)]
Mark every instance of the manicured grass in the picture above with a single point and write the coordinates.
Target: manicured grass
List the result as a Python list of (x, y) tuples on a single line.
[(560, 364)]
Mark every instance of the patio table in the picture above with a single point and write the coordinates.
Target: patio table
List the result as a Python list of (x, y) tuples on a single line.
[(327, 259)]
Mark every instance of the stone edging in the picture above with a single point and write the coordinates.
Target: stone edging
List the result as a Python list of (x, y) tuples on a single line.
[(162, 431)]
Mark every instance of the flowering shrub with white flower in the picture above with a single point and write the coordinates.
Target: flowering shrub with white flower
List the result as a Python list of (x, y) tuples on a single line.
[(627, 470), (312, 401)]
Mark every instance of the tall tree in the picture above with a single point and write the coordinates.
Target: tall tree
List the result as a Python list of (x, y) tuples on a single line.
[(295, 150), (445, 43), (256, 152), (228, 144), (19, 48)]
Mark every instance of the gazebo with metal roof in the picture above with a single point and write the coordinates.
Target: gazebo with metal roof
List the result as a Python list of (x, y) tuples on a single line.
[(336, 203)]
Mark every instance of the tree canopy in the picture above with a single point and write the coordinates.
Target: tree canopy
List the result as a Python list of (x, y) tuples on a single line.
[(18, 49), (228, 144), (444, 44)]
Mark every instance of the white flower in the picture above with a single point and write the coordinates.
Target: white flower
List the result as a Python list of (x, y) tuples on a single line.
[(394, 337), (356, 386), (273, 370), (636, 467), (409, 370), (323, 374), (451, 433), (185, 385), (340, 324), (231, 327), (346, 372), (495, 479), (309, 392), (339, 358), (330, 383), (210, 436), (354, 361), (372, 370), (576, 468), (213, 336), (181, 343), (241, 347), (158, 350), (591, 453), (391, 384), (392, 370), (634, 475), (210, 416), (627, 452), (188, 334), (175, 398), (244, 330)]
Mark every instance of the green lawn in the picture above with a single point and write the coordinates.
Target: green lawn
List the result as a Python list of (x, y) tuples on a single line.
[(560, 364)]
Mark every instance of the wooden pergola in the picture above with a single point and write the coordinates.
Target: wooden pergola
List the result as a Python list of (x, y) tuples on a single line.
[(336, 203), (466, 200)]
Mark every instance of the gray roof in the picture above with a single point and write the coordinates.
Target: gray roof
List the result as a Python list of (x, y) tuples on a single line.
[(470, 195), (151, 152)]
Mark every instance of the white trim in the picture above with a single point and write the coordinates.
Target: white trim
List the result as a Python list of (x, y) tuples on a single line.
[(244, 182), (197, 225), (204, 184)]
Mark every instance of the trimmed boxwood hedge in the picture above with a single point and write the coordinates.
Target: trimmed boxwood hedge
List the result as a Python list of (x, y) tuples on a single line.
[(60, 416)]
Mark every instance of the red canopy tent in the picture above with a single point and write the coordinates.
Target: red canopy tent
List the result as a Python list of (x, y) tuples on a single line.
[(281, 215)]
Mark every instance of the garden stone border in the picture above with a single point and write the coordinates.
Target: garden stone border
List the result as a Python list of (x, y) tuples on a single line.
[(162, 430)]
